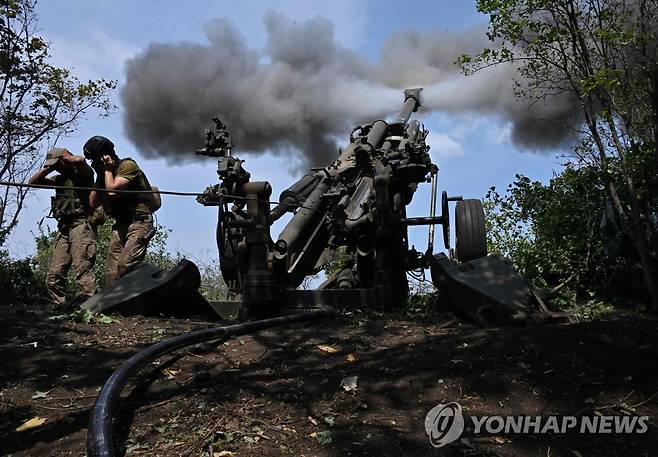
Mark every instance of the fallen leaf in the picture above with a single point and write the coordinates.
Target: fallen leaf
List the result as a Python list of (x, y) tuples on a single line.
[(223, 454), (351, 357), (327, 349), (349, 383), (32, 423), (105, 319), (38, 394), (171, 374), (135, 447)]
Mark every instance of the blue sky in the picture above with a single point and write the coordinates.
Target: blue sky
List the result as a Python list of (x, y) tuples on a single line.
[(96, 38)]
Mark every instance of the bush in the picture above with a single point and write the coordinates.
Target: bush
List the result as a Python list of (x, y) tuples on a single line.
[(157, 254), (18, 281), (561, 236), (213, 287)]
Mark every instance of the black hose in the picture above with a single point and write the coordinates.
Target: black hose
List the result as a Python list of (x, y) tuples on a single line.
[(99, 437)]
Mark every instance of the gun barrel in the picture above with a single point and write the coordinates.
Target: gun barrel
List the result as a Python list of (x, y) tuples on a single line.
[(411, 104), (379, 129), (377, 133), (294, 196), (292, 235)]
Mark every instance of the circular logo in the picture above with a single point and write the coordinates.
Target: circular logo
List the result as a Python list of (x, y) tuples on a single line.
[(444, 424)]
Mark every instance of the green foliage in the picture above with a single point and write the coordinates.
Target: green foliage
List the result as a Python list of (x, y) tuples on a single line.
[(341, 261), (103, 233), (555, 236), (40, 102), (45, 243), (601, 54), (84, 316), (422, 300), (592, 310), (158, 254), (212, 283), (324, 437), (420, 304), (18, 282)]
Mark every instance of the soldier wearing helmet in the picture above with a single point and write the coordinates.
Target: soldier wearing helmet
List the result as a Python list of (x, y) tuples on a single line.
[(132, 212), (75, 243)]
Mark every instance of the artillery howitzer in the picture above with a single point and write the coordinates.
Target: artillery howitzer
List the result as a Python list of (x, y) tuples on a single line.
[(357, 205), (353, 211), (351, 214)]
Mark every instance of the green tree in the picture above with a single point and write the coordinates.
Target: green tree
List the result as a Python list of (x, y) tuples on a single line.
[(604, 54), (552, 232), (38, 103)]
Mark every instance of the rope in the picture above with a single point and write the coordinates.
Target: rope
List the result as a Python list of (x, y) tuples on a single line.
[(118, 191), (127, 191), (161, 192)]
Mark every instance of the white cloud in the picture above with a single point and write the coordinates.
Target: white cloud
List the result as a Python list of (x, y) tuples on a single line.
[(500, 133), (100, 55), (444, 146)]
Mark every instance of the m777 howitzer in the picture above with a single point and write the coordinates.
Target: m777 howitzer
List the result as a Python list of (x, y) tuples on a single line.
[(354, 210), (355, 206)]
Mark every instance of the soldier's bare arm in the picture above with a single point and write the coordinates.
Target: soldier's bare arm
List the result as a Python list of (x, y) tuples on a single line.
[(77, 161), (114, 183), (40, 177), (94, 199)]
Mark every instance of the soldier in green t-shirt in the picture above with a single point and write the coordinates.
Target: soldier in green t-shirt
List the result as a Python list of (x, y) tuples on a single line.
[(133, 226), (75, 243)]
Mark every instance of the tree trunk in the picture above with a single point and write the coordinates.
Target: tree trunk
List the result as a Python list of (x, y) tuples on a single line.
[(632, 225), (636, 235)]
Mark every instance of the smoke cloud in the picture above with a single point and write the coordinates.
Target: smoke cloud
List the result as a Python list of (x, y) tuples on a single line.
[(303, 90)]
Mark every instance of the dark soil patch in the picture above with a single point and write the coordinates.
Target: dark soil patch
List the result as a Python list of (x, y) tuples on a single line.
[(279, 392)]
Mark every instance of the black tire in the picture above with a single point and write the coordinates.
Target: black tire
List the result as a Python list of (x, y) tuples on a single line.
[(470, 230)]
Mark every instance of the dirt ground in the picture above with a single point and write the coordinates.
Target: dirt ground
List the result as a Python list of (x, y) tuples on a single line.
[(280, 393)]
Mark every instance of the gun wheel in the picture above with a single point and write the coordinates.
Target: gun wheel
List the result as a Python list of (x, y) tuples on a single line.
[(470, 230)]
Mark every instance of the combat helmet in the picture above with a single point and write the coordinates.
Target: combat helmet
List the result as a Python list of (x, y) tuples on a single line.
[(97, 146)]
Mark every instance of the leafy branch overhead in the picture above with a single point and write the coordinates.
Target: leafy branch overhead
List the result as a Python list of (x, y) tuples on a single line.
[(39, 102), (601, 56)]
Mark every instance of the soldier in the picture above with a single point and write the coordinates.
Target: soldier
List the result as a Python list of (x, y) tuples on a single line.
[(132, 212), (76, 240)]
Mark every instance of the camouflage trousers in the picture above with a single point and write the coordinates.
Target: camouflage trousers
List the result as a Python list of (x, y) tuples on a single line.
[(127, 247), (74, 245)]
